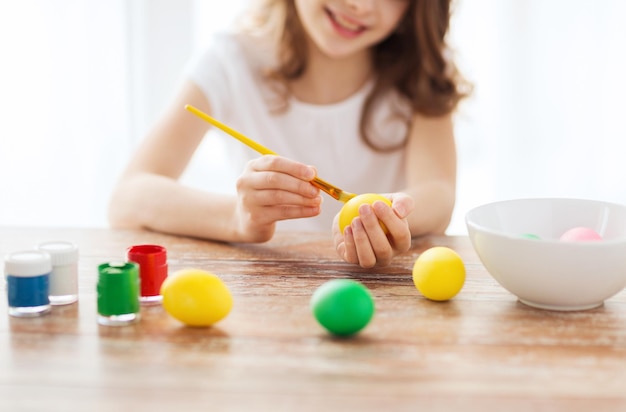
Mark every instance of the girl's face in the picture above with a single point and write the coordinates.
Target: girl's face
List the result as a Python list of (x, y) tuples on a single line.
[(340, 28)]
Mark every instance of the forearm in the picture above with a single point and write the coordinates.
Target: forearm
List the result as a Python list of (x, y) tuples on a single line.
[(162, 204), (433, 206)]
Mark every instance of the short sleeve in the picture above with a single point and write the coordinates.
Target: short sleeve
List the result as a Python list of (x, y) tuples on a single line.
[(209, 71)]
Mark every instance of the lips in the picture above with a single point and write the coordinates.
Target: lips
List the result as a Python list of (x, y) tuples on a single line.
[(344, 24)]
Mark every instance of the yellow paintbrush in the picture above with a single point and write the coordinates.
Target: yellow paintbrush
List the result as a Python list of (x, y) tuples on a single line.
[(333, 191)]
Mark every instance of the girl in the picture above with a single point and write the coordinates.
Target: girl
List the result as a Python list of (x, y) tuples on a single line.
[(362, 89)]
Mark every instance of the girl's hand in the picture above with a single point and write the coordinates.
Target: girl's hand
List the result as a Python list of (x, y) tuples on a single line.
[(270, 189), (364, 243)]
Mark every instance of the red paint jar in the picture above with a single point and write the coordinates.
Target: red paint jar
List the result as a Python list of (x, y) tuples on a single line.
[(152, 261)]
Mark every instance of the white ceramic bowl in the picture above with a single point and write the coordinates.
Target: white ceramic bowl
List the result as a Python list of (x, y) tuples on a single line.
[(549, 273)]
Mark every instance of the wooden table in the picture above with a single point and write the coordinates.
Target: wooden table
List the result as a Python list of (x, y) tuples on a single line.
[(481, 351)]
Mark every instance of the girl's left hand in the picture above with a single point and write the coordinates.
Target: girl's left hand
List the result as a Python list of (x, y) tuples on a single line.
[(365, 243)]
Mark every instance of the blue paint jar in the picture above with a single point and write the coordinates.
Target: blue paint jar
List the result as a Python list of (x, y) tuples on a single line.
[(27, 275)]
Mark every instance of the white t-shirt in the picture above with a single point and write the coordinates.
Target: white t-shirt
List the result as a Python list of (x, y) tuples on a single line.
[(229, 72)]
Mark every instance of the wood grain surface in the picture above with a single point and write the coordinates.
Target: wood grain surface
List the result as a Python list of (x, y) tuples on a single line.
[(481, 351)]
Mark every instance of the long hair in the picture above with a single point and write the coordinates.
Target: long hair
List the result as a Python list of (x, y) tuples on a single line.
[(413, 61)]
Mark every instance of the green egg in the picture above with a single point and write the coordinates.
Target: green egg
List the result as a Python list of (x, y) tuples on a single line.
[(342, 306), (530, 236)]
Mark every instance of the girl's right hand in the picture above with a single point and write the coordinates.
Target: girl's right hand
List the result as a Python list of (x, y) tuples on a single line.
[(270, 189)]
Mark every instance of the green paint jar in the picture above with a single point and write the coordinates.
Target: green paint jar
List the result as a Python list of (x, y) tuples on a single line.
[(118, 293)]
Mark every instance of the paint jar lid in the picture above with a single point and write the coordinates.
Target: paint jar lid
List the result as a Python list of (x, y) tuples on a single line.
[(27, 263), (153, 255), (61, 252)]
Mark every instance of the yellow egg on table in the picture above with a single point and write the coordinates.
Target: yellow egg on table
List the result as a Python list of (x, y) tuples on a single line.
[(350, 210), (196, 297), (439, 273)]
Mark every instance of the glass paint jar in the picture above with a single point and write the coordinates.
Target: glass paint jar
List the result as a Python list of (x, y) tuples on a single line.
[(64, 275), (152, 261), (118, 293), (27, 275)]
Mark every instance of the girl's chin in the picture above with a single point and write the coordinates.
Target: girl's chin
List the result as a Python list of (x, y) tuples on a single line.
[(335, 53), (338, 51)]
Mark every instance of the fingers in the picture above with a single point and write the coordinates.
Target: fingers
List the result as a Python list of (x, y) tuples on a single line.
[(279, 173), (402, 204), (365, 242), (373, 246), (273, 180), (357, 249), (399, 233), (274, 188), (272, 197), (365, 249)]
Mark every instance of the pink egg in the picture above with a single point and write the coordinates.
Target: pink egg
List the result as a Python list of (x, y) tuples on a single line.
[(580, 234)]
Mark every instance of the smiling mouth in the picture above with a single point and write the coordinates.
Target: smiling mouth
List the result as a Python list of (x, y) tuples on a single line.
[(344, 23)]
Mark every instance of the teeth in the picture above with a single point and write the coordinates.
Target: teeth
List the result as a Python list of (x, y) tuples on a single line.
[(346, 24)]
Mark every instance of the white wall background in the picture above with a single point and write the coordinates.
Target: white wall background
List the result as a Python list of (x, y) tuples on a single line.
[(81, 81)]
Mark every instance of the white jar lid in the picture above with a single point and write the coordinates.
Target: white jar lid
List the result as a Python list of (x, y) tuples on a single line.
[(61, 252), (27, 263)]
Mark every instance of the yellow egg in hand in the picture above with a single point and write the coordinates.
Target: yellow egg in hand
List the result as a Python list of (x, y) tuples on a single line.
[(351, 209), (196, 297), (439, 273)]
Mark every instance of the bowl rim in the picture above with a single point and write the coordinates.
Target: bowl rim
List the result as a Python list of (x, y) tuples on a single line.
[(592, 243)]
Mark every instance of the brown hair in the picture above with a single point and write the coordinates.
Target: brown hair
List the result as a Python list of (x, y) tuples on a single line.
[(412, 61)]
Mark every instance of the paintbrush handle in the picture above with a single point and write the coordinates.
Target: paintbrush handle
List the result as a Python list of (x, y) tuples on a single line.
[(234, 133), (333, 191)]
